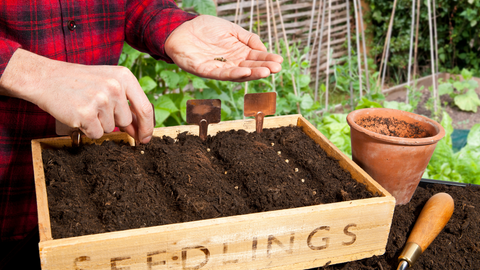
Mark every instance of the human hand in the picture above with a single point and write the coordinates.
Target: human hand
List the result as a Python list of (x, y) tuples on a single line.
[(94, 99), (195, 44)]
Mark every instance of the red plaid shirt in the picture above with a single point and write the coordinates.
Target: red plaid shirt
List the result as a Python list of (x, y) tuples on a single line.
[(88, 32)]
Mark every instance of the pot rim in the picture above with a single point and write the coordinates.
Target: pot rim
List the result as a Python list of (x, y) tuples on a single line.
[(396, 140)]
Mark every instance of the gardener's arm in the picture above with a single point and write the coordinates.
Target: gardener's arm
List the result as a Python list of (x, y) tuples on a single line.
[(166, 32), (92, 98)]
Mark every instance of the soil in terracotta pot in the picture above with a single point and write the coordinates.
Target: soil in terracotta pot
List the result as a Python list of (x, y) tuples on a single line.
[(95, 189), (392, 127), (456, 247)]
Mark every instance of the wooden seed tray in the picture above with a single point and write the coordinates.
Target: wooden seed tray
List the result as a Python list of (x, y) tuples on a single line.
[(296, 238)]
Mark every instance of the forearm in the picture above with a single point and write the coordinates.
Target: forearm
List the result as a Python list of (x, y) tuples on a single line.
[(92, 98), (149, 23)]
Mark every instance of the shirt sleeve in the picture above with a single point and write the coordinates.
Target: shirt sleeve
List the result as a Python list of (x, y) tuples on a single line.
[(149, 23), (7, 48)]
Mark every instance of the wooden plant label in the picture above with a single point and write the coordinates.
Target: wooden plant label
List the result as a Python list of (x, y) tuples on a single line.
[(259, 105), (203, 112)]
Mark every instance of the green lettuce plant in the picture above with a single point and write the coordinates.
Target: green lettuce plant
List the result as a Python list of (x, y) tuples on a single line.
[(462, 91), (462, 166), (337, 130)]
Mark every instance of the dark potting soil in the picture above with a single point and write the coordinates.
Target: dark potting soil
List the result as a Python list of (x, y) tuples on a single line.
[(392, 127), (94, 189), (456, 247)]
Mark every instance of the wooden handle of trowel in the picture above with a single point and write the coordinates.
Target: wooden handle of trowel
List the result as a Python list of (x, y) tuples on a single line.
[(434, 216)]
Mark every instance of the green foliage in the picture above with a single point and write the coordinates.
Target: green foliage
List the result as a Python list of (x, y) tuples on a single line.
[(231, 95), (398, 106), (462, 91), (462, 166), (367, 103), (296, 72), (430, 105), (343, 79), (164, 84), (458, 37), (414, 95), (201, 6), (337, 130)]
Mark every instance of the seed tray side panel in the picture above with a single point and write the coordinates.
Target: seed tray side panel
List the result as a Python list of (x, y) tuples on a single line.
[(295, 238)]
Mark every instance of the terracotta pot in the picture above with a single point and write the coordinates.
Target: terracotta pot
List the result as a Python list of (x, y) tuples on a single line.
[(396, 163)]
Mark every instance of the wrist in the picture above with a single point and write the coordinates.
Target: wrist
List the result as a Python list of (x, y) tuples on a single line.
[(24, 75)]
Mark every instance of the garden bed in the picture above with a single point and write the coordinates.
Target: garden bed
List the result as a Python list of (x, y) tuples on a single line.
[(333, 230)]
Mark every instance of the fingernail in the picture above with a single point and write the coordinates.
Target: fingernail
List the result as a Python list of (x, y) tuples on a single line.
[(146, 139)]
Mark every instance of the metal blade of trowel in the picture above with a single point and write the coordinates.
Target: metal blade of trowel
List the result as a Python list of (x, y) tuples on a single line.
[(202, 112), (259, 105)]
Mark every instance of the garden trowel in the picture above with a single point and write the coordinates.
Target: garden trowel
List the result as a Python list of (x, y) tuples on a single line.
[(434, 216), (260, 105), (203, 112)]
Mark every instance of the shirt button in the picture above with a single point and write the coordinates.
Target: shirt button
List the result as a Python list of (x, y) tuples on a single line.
[(72, 25)]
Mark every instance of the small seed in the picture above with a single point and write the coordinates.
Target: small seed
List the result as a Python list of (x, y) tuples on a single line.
[(279, 153), (208, 149), (142, 152), (286, 160), (296, 169), (221, 59), (272, 144), (303, 180), (225, 172), (236, 187), (314, 192)]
